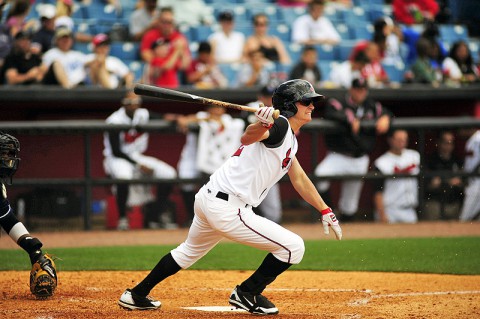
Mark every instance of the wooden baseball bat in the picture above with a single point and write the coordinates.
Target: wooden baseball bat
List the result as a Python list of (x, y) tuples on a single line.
[(173, 95)]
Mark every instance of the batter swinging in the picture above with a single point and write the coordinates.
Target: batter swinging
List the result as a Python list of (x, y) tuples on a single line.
[(223, 206)]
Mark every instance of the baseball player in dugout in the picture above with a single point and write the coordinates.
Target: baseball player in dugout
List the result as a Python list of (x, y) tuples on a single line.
[(43, 276), (348, 152), (223, 206), (125, 159)]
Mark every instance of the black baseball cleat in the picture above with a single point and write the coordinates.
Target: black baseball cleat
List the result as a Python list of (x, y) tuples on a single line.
[(132, 301), (256, 304)]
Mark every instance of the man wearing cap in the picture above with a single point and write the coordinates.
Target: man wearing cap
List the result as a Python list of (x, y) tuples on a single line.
[(348, 149), (43, 38), (227, 44), (105, 70), (64, 66), (21, 65)]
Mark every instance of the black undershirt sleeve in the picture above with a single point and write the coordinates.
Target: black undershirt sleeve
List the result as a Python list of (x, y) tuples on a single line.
[(277, 133), (114, 139)]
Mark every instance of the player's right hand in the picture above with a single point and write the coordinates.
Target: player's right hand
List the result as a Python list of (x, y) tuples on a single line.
[(330, 220), (265, 115)]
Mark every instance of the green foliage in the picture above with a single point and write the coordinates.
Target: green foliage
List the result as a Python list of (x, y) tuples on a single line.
[(458, 255)]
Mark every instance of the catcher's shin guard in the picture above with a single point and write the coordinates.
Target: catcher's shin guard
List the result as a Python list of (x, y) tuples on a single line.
[(43, 277)]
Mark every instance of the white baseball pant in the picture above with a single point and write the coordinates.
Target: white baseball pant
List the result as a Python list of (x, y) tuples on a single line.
[(339, 164), (216, 218), (471, 202)]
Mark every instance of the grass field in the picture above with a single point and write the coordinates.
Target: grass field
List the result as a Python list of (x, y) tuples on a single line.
[(457, 255)]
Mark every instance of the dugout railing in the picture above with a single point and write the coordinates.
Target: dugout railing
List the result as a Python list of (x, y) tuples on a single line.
[(86, 128)]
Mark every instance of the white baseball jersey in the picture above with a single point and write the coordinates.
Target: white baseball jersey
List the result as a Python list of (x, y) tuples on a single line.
[(131, 142), (471, 204), (400, 195)]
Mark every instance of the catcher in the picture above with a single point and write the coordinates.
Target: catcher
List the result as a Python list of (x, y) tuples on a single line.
[(43, 276)]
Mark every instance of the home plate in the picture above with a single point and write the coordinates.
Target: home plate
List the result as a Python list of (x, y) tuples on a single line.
[(216, 309)]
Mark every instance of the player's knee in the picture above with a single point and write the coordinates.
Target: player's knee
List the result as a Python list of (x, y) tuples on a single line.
[(297, 250)]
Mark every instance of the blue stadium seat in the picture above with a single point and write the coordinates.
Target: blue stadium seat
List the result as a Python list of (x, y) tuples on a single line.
[(282, 31), (125, 51), (325, 68), (230, 71), (474, 47), (295, 51), (343, 30), (326, 52), (378, 11), (344, 49), (137, 68), (452, 33), (102, 12), (395, 72), (83, 47), (361, 31), (288, 15), (270, 10), (356, 15), (200, 32)]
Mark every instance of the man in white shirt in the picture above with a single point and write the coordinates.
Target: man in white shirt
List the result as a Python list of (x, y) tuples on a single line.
[(143, 19), (64, 66), (314, 28), (342, 74), (190, 12), (227, 44)]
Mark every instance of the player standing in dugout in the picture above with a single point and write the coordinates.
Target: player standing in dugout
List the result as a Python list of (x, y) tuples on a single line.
[(223, 206)]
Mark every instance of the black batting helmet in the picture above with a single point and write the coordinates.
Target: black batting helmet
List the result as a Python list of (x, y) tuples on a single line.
[(9, 160), (287, 93)]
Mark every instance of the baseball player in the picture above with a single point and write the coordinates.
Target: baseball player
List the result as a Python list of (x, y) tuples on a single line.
[(471, 204), (43, 276), (223, 206), (396, 199), (348, 152), (271, 207), (124, 159)]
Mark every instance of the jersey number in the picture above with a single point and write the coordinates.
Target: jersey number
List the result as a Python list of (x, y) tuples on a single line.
[(286, 161)]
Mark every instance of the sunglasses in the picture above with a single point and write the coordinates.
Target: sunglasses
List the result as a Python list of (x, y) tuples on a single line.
[(306, 101), (261, 24), (135, 101), (166, 21)]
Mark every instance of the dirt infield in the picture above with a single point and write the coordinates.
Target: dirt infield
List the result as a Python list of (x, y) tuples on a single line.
[(298, 294)]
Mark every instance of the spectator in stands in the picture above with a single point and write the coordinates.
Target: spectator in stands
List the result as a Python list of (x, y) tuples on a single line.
[(14, 23), (374, 71), (190, 12), (43, 38), (414, 11), (168, 60), (471, 204), (21, 65), (143, 19), (203, 72), (422, 70), (256, 72), (124, 159), (271, 206), (206, 150), (166, 30), (307, 68), (459, 67), (396, 199), (342, 74), (64, 20), (272, 47), (293, 3), (64, 66), (227, 44), (444, 195), (430, 32), (314, 28), (348, 150), (105, 70)]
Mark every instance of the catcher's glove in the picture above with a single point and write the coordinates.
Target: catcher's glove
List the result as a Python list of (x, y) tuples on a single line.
[(43, 277)]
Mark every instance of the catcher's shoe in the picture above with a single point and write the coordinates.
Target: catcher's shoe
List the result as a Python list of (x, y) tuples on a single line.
[(256, 304), (132, 301)]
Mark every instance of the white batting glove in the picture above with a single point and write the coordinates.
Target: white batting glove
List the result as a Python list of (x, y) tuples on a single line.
[(265, 115), (330, 220)]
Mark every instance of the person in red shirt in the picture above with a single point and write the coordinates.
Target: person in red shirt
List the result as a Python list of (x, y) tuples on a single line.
[(414, 11), (163, 69), (166, 30)]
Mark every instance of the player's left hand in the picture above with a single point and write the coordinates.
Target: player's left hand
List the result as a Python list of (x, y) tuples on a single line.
[(330, 220)]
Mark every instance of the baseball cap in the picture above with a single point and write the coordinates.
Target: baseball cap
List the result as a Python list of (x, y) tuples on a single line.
[(23, 35), (62, 32), (46, 10), (359, 83), (100, 39), (267, 90), (160, 41), (225, 16)]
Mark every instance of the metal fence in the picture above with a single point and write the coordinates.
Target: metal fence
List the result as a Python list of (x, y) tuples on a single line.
[(316, 128)]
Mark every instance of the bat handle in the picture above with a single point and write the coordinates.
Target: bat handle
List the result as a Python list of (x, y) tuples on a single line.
[(276, 114)]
